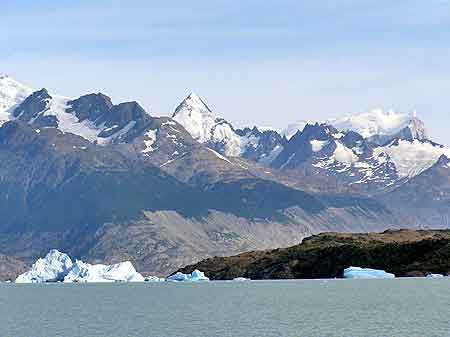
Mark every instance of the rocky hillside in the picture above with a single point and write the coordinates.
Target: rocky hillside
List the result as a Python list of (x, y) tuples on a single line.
[(107, 181), (402, 252), (10, 267)]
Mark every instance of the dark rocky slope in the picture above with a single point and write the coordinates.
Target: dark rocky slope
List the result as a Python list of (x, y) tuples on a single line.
[(108, 204), (402, 252)]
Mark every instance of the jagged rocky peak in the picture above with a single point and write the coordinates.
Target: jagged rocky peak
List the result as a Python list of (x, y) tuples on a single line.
[(320, 131), (127, 112), (99, 109), (443, 161), (34, 108), (90, 106), (193, 101)]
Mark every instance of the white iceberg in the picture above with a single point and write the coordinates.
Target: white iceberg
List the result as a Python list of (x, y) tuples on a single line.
[(52, 268), (195, 276), (365, 273), (119, 272), (154, 279), (57, 266), (431, 275), (241, 279)]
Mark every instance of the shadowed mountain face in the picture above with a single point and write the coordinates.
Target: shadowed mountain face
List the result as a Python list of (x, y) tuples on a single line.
[(109, 182), (425, 199), (61, 191)]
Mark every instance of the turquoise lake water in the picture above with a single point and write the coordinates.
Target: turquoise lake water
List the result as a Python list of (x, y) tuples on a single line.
[(400, 307)]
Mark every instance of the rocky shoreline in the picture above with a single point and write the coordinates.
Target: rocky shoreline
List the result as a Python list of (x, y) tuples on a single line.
[(405, 253)]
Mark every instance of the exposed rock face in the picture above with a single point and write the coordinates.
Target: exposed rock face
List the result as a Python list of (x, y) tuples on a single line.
[(403, 253), (10, 268)]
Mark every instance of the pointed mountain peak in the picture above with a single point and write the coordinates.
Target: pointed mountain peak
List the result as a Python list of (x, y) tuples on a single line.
[(196, 117), (443, 160), (193, 102)]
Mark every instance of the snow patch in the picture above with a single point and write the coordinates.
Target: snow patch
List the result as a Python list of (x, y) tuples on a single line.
[(344, 155), (410, 157), (218, 155), (318, 145), (150, 141)]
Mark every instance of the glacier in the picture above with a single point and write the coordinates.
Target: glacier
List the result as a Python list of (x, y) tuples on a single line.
[(365, 273), (58, 267), (52, 268), (195, 276)]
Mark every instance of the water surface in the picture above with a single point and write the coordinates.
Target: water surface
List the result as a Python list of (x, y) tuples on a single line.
[(401, 307)]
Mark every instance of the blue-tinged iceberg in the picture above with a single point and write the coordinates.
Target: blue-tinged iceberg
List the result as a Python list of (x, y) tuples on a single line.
[(195, 276), (365, 273), (52, 268), (57, 266)]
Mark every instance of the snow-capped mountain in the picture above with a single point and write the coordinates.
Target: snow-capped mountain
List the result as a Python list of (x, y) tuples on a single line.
[(93, 116), (12, 93), (376, 148), (378, 125), (382, 126), (217, 133), (359, 161), (322, 150)]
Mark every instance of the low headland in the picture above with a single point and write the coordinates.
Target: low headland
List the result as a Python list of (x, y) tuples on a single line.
[(404, 253)]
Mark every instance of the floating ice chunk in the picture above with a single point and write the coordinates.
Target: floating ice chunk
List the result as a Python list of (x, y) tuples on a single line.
[(196, 275), (366, 273), (241, 279), (52, 268), (57, 266), (120, 272), (154, 279), (430, 275)]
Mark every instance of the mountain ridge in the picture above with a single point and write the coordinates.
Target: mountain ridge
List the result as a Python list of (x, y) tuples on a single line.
[(107, 182)]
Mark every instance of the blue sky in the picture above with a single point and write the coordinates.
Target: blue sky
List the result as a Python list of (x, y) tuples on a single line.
[(254, 62)]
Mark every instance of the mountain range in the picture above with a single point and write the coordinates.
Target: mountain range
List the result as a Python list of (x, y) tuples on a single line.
[(109, 182)]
